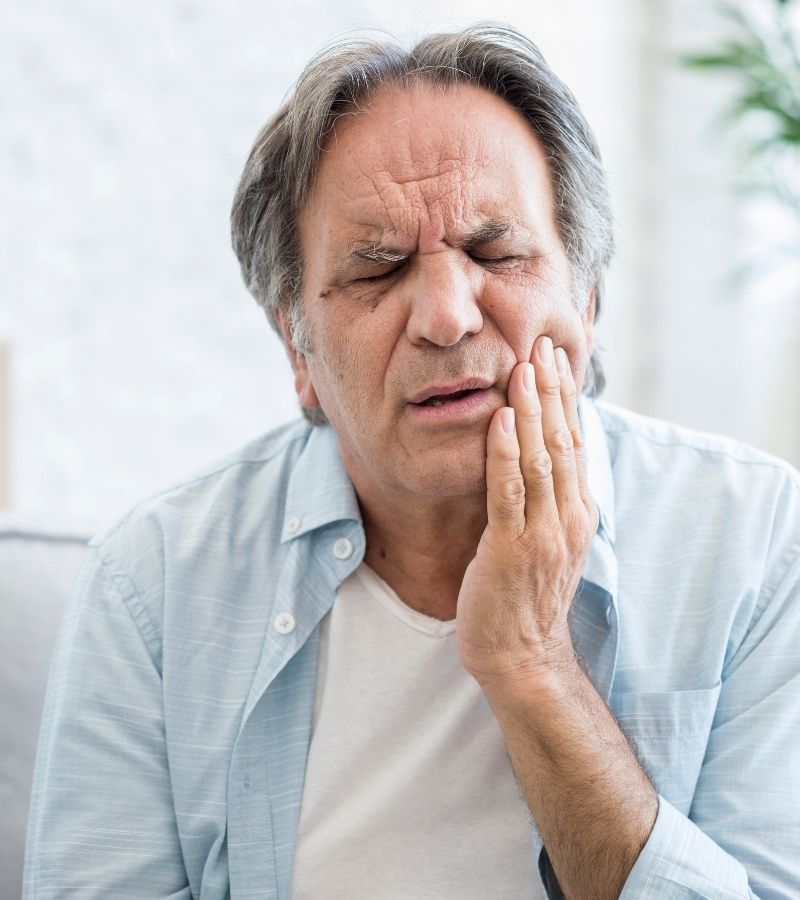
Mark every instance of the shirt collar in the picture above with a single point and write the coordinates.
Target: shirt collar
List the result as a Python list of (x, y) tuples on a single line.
[(600, 568), (319, 490), (599, 474)]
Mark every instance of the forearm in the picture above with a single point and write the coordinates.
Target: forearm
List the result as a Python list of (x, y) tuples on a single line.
[(591, 801)]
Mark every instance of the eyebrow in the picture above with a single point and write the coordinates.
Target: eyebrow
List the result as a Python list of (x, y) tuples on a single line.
[(489, 231), (375, 251)]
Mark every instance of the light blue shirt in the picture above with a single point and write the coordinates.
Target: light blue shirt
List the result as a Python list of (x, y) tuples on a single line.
[(177, 721)]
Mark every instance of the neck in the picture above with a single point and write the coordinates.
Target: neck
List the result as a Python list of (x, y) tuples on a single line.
[(421, 547)]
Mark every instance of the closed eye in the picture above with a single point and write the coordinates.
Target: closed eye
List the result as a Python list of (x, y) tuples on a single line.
[(384, 275), (378, 277), (484, 260), (494, 259)]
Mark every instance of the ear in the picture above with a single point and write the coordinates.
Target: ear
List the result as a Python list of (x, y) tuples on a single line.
[(588, 321), (302, 376)]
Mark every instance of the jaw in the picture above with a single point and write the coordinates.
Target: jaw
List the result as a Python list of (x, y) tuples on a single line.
[(413, 464)]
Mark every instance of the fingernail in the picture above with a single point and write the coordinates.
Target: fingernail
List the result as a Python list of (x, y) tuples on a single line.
[(507, 420), (562, 363), (546, 352), (527, 377)]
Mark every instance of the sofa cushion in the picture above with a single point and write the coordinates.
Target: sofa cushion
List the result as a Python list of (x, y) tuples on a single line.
[(37, 575)]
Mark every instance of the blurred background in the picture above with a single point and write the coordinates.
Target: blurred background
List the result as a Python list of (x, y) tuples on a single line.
[(131, 353)]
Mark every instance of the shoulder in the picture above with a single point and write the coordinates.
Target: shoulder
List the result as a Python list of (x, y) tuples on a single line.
[(626, 428), (213, 487), (649, 445), (240, 493), (693, 484)]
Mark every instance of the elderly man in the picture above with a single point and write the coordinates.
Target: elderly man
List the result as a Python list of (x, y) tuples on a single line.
[(460, 634)]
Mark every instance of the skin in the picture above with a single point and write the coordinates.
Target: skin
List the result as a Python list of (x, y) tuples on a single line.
[(418, 171), (487, 522)]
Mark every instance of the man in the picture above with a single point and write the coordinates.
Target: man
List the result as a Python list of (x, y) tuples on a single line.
[(460, 634)]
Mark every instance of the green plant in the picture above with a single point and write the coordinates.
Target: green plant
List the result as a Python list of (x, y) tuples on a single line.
[(762, 58)]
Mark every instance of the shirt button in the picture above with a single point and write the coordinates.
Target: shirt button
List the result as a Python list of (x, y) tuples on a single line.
[(284, 623), (342, 549), (292, 525)]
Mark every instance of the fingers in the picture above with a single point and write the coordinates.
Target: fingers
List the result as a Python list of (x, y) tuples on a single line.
[(535, 462), (505, 487), (536, 467), (569, 403), (556, 433)]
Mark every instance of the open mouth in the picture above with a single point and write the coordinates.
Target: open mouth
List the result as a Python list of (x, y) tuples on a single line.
[(441, 399), (465, 407)]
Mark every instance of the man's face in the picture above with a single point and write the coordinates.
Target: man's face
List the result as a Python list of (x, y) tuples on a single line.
[(431, 257)]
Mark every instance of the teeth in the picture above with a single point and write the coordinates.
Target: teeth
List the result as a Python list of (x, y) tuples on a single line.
[(439, 401)]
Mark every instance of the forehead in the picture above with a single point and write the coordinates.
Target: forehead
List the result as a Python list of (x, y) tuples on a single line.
[(426, 159)]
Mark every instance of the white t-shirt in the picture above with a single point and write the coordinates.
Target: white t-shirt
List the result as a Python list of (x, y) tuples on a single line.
[(409, 792)]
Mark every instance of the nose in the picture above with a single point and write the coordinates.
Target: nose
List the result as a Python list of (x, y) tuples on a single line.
[(443, 303)]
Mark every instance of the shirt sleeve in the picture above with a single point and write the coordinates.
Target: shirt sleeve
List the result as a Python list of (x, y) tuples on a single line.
[(741, 838), (102, 821)]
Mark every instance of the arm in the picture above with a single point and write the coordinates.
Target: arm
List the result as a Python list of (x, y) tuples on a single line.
[(605, 834), (593, 805), (101, 818), (742, 836)]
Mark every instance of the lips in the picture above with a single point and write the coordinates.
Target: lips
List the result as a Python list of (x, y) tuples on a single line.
[(451, 391)]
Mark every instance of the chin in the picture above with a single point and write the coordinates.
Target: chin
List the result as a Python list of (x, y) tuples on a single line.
[(457, 478)]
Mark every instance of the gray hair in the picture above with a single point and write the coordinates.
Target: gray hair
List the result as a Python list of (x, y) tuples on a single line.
[(280, 172)]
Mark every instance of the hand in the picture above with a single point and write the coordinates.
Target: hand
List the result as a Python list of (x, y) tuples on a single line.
[(511, 620)]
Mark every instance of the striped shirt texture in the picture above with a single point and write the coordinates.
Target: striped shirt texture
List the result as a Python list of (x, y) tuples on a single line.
[(176, 726)]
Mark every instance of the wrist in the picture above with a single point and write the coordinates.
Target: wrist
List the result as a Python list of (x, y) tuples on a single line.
[(522, 683)]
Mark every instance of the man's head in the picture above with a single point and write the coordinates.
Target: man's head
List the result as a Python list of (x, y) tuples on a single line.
[(282, 168), (410, 219)]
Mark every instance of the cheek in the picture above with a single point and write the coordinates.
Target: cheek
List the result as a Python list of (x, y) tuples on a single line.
[(522, 321), (348, 367), (521, 325)]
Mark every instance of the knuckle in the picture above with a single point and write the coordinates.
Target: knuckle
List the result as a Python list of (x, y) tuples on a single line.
[(552, 390), (568, 391), (576, 531), (532, 417), (508, 469), (561, 439), (539, 466), (511, 493)]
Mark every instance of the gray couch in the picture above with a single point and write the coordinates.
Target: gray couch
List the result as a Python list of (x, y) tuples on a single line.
[(38, 572)]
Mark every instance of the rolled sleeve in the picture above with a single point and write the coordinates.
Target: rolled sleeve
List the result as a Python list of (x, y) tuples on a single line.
[(680, 861)]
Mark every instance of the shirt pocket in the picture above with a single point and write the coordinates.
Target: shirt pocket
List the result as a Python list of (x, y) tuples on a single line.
[(670, 732)]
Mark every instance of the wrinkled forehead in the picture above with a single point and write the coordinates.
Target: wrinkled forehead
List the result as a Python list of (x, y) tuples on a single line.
[(426, 156), (422, 128)]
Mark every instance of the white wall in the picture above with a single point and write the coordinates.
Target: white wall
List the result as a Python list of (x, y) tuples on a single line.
[(136, 353)]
